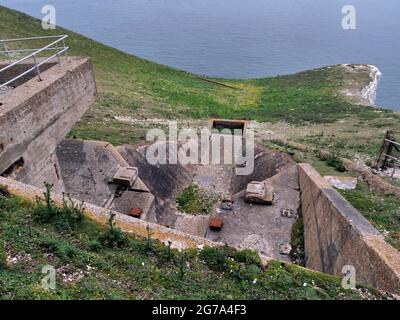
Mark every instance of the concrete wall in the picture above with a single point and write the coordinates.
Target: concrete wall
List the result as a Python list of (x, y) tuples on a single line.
[(337, 235), (127, 224), (36, 116)]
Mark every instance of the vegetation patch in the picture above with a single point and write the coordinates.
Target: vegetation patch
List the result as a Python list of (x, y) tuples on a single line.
[(297, 241), (3, 257), (247, 256), (65, 217), (113, 237), (195, 200), (132, 271), (381, 210), (128, 84)]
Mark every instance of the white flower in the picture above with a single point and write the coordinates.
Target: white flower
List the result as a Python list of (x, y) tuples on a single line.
[(305, 284), (254, 281)]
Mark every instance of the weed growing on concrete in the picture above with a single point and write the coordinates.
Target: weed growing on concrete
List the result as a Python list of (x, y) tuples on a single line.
[(297, 241), (195, 200)]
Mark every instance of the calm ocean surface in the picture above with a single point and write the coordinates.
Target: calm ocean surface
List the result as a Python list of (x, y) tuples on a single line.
[(241, 38)]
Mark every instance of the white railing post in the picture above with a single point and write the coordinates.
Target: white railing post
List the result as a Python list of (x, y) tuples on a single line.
[(66, 51), (58, 55), (37, 68), (34, 55)]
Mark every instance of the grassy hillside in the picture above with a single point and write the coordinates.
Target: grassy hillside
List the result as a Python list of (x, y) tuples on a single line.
[(307, 107), (130, 86), (94, 263)]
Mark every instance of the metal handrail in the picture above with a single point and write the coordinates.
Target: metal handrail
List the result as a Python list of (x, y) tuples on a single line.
[(52, 46)]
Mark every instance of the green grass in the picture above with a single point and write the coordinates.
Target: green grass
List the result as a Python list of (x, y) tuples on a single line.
[(381, 210), (134, 87), (139, 271), (195, 200)]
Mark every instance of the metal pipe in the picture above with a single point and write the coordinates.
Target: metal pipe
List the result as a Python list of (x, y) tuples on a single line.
[(33, 38), (26, 50), (37, 68), (31, 69), (32, 54)]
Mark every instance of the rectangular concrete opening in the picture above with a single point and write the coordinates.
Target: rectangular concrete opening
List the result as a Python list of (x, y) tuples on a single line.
[(226, 126), (16, 166)]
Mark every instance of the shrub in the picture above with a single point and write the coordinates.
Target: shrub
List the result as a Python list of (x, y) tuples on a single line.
[(248, 272), (95, 245), (247, 256), (113, 237), (59, 248), (214, 258), (65, 218), (333, 160)]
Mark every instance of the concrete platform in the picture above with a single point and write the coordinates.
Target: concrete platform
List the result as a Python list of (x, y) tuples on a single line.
[(261, 227)]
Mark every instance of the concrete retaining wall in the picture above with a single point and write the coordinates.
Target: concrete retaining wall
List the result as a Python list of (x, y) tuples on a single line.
[(36, 116), (337, 235), (125, 223)]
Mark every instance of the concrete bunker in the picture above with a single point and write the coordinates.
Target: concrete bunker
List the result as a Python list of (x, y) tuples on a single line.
[(88, 168), (34, 124)]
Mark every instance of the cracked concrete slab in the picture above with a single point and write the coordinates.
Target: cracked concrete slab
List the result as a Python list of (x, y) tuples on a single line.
[(261, 227)]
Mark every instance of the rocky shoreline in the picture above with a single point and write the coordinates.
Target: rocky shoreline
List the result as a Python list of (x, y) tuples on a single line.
[(369, 92)]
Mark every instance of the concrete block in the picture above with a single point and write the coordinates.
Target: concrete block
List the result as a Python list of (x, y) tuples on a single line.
[(136, 212), (216, 223), (258, 192), (126, 176), (285, 248), (342, 183)]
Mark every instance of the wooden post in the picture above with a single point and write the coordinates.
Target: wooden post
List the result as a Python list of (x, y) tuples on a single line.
[(385, 150)]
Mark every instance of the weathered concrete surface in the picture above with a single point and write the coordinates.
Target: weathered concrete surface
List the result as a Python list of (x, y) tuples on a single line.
[(36, 116), (88, 168), (165, 181), (267, 163), (337, 235), (132, 199), (342, 183), (261, 227), (20, 68)]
